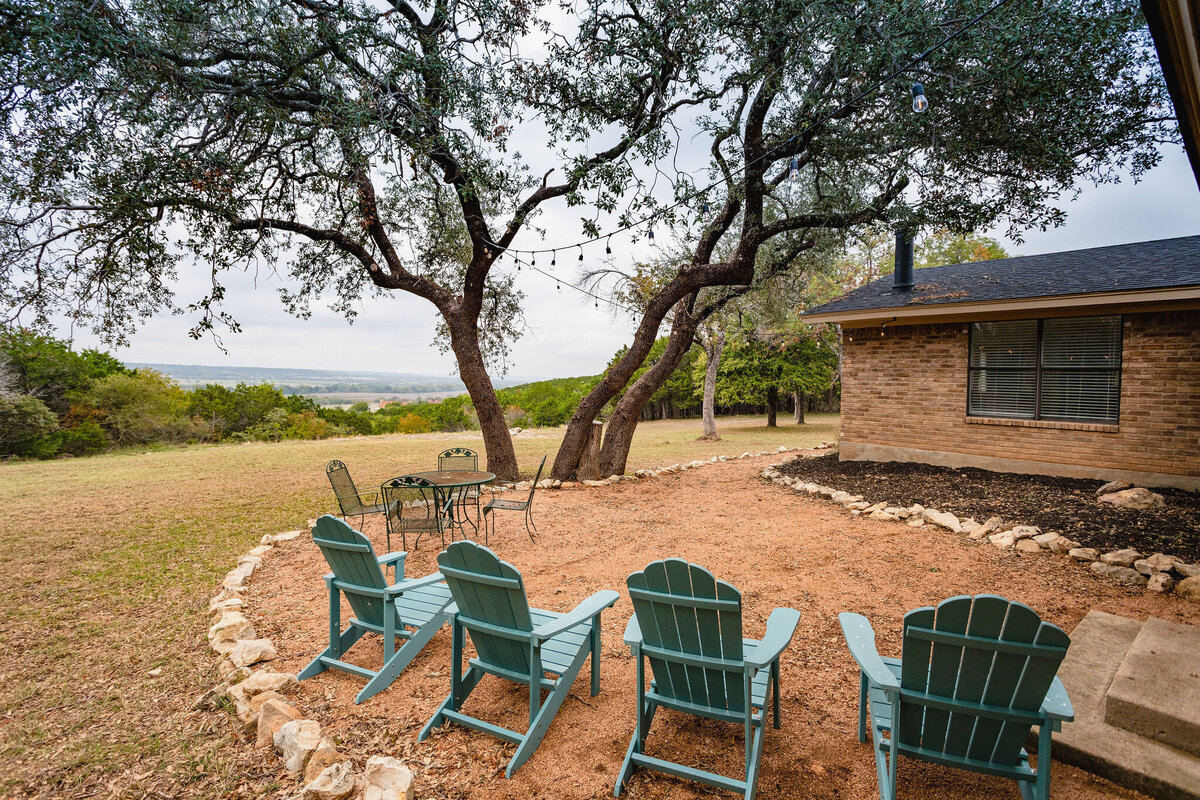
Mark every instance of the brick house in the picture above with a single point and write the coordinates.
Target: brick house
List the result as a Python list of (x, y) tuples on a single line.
[(1083, 364)]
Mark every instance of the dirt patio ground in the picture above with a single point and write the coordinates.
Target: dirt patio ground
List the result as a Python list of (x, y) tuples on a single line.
[(779, 547)]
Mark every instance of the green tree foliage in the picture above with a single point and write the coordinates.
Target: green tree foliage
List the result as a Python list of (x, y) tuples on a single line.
[(944, 247), (546, 403), (752, 369), (141, 407), (27, 427), (47, 368)]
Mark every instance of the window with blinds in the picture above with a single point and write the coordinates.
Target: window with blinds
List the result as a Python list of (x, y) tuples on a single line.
[(1055, 369)]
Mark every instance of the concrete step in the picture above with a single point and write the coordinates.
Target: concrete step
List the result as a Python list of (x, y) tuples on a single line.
[(1099, 645), (1156, 691)]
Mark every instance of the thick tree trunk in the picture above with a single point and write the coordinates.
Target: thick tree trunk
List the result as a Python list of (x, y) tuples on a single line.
[(772, 406), (617, 440), (714, 344), (674, 295), (589, 462), (799, 398), (497, 443)]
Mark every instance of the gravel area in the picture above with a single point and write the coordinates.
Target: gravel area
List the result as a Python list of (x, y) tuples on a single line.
[(778, 547)]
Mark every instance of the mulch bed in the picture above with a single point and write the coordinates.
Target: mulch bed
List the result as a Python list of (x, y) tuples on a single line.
[(1065, 505)]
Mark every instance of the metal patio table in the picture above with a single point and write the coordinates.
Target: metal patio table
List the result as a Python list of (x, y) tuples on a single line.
[(456, 480)]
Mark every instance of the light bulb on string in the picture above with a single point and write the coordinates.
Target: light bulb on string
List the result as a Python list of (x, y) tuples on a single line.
[(608, 246), (920, 101), (580, 253), (650, 233), (706, 213), (553, 258), (794, 170)]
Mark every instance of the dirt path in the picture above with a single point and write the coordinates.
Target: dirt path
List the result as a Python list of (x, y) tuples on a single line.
[(778, 547)]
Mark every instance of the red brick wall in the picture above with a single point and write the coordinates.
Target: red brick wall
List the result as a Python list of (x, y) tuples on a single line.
[(906, 390)]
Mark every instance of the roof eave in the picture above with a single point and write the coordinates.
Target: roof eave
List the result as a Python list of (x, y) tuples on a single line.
[(919, 312)]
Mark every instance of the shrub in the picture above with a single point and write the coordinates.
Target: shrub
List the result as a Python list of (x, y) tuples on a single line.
[(85, 439), (141, 407), (411, 423), (27, 427)]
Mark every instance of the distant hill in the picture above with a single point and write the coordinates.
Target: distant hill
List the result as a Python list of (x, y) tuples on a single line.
[(316, 381)]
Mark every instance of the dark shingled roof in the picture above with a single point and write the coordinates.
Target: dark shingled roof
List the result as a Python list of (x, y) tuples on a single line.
[(1161, 264)]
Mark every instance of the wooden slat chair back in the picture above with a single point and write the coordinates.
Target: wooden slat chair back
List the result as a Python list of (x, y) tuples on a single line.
[(490, 596), (688, 626), (411, 610), (684, 612), (976, 674), (514, 642), (984, 650), (415, 505)]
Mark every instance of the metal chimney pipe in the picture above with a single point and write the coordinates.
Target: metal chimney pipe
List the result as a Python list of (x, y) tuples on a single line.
[(902, 278)]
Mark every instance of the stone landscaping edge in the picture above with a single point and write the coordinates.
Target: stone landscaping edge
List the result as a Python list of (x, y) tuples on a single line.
[(258, 700), (1155, 573), (257, 695)]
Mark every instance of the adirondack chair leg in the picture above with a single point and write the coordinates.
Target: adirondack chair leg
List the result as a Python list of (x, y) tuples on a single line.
[(339, 641), (535, 681), (1041, 789), (539, 726), (487, 511), (595, 651), (863, 690), (395, 664), (775, 698), (754, 760)]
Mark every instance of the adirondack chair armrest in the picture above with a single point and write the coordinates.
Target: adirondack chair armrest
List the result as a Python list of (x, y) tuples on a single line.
[(633, 632), (1057, 705), (583, 612), (392, 558), (415, 583), (860, 638), (781, 627)]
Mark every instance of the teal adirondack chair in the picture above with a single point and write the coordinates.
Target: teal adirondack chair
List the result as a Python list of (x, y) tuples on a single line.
[(513, 641), (688, 625), (408, 609), (974, 676)]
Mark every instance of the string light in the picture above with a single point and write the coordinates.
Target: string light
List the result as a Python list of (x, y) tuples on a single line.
[(553, 256), (920, 104), (580, 253), (794, 170), (920, 101), (608, 246), (706, 213)]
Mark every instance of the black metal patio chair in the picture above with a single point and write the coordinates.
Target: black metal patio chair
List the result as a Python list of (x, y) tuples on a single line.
[(350, 502), (526, 505), (462, 458), (416, 505)]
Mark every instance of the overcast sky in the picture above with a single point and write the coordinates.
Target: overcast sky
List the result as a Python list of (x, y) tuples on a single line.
[(566, 334)]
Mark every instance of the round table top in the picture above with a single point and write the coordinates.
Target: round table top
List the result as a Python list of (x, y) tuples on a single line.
[(456, 477)]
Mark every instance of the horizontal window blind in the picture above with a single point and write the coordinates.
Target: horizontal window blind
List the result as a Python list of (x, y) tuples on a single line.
[(1059, 369), (1081, 369), (1002, 378)]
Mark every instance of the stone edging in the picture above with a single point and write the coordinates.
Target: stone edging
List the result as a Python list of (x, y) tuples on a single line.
[(1156, 573), (651, 472), (258, 701)]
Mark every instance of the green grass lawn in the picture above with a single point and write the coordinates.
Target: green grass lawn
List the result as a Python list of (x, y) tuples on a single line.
[(110, 562)]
